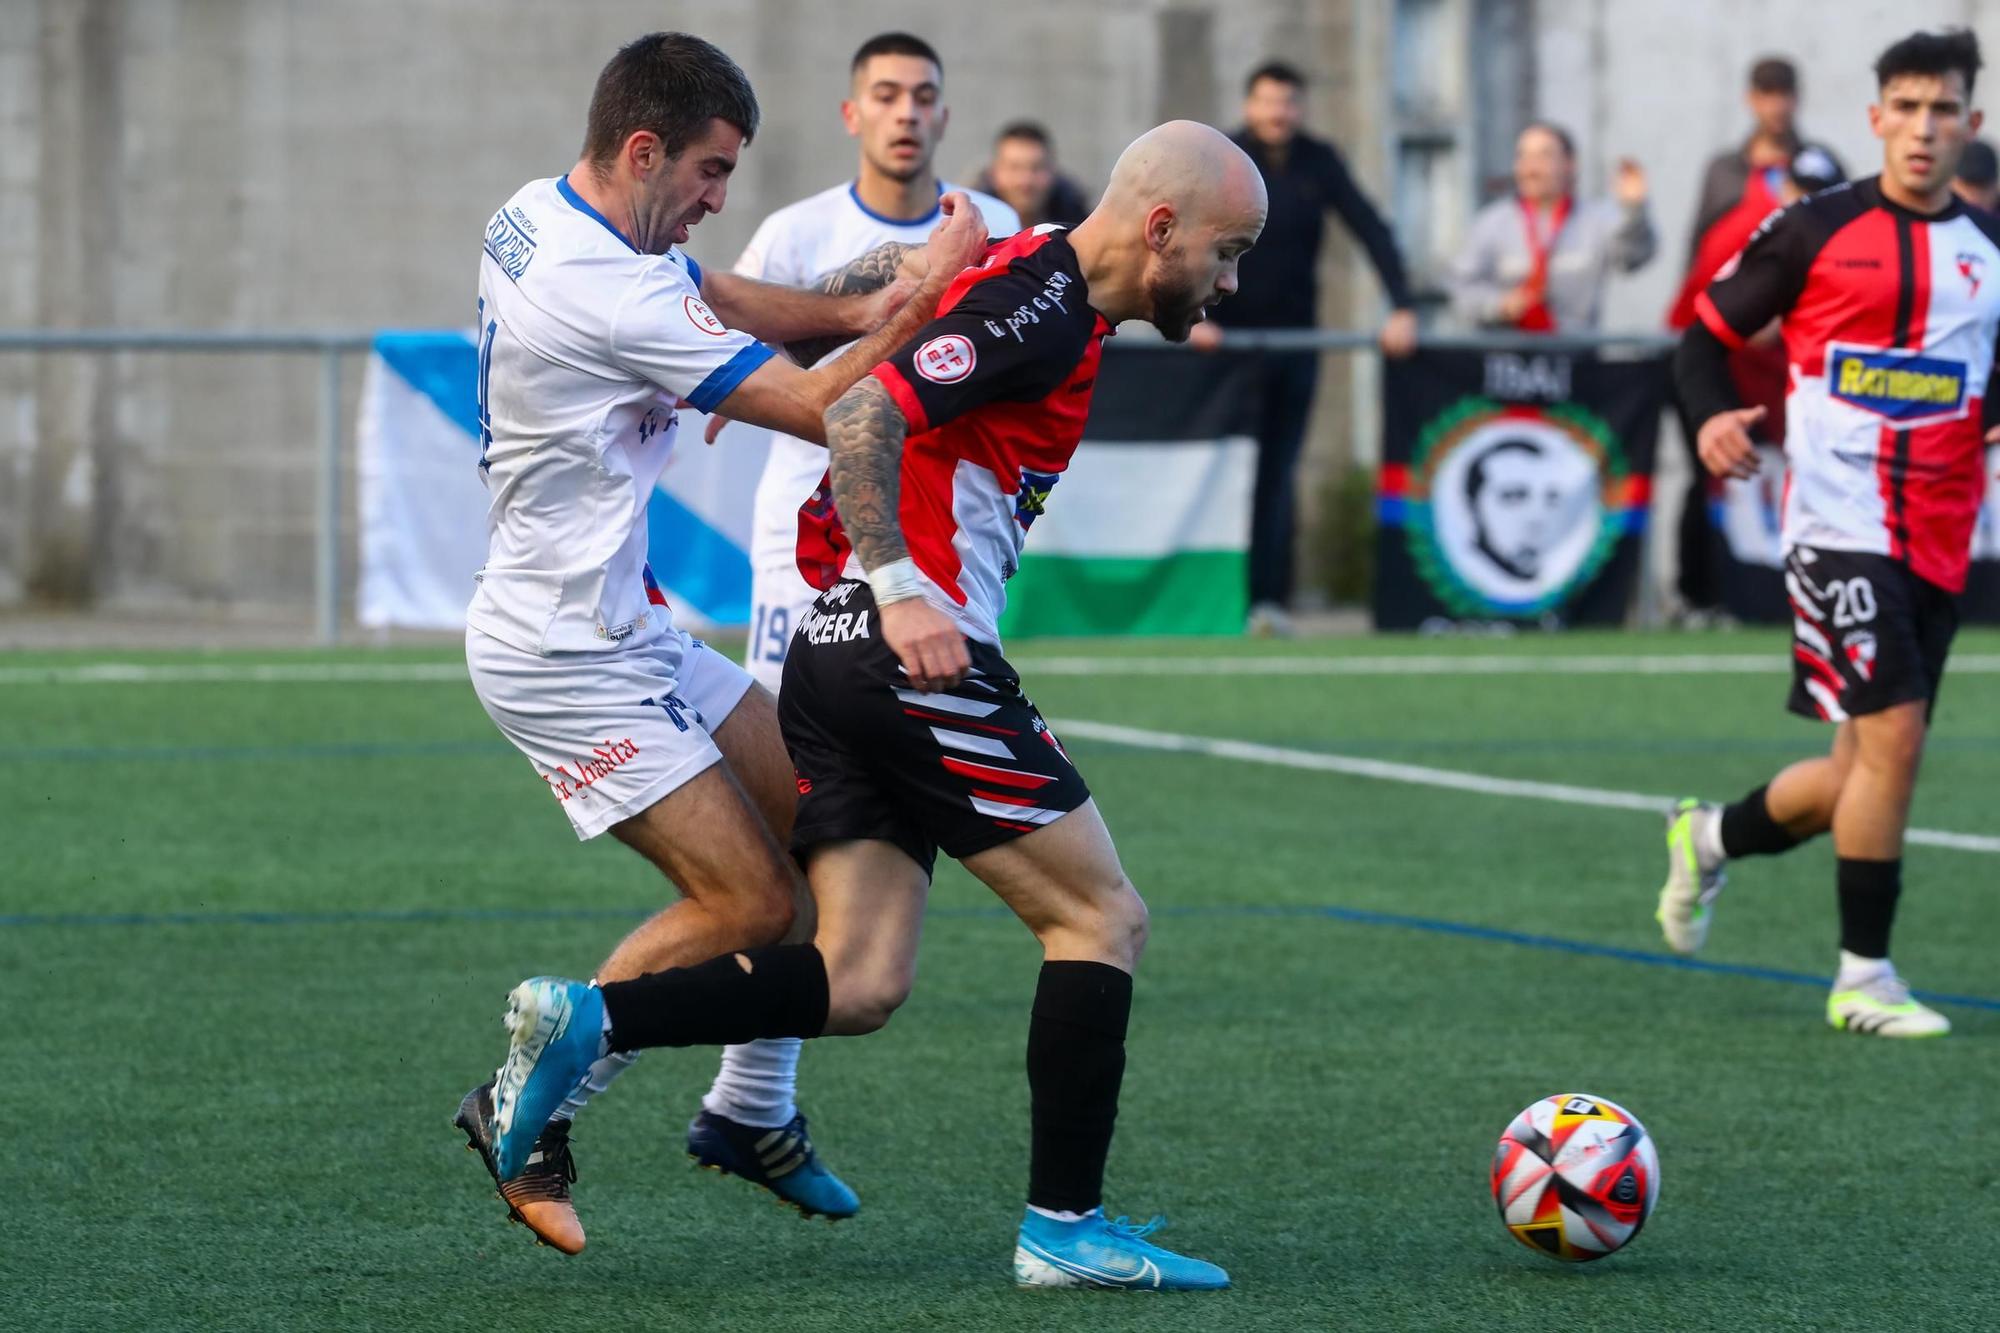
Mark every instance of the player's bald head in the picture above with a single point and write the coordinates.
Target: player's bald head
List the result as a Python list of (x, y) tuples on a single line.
[(1182, 206), (1193, 168)]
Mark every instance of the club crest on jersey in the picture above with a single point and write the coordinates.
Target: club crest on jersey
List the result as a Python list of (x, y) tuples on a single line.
[(1907, 388), (945, 359), (702, 317), (1033, 497), (1973, 269)]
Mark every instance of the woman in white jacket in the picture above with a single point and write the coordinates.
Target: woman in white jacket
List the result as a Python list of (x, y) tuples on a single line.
[(1537, 260)]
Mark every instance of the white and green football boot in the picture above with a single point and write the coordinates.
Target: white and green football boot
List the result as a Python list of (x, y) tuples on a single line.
[(1687, 903), (1882, 1007)]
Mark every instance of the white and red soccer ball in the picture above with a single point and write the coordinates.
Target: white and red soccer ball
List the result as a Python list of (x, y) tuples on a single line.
[(1575, 1177)]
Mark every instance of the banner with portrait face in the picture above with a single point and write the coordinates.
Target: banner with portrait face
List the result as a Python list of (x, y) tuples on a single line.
[(1513, 487), (1746, 545)]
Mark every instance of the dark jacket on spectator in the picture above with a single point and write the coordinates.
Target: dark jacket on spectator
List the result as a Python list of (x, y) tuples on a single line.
[(1722, 186), (1279, 279), (1066, 204)]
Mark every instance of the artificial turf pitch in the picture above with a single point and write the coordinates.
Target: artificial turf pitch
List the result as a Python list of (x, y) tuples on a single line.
[(255, 935)]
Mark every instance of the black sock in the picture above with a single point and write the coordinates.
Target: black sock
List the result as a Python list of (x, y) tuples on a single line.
[(776, 992), (1868, 894), (1076, 1061), (1749, 830)]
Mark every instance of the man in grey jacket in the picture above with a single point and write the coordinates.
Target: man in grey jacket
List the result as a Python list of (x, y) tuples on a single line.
[(1538, 259)]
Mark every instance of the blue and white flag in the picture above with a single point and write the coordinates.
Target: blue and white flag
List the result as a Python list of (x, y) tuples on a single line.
[(423, 507)]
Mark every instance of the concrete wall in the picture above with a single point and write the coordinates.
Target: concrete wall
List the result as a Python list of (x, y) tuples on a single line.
[(313, 164), (1663, 83)]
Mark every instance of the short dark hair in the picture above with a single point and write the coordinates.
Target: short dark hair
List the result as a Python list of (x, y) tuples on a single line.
[(1277, 71), (1553, 130), (673, 84), (894, 44), (1030, 131), (1931, 53), (1774, 74)]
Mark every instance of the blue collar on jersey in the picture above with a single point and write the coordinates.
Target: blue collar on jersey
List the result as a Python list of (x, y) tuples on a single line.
[(576, 200), (854, 193)]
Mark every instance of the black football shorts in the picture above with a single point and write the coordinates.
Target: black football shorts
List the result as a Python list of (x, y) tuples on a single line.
[(961, 771), (1867, 633)]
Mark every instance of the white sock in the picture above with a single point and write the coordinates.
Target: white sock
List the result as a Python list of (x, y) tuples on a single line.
[(757, 1084), (1064, 1214), (1857, 971), (1708, 836), (596, 1081)]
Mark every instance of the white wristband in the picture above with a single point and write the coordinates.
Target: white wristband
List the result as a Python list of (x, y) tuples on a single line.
[(897, 581)]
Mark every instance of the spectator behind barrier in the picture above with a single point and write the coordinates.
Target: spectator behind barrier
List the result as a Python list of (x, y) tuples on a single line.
[(1757, 368), (1304, 178), (1022, 173), (1773, 100), (1978, 179), (1537, 261)]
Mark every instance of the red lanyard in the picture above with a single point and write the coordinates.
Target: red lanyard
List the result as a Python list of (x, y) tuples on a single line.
[(1537, 318)]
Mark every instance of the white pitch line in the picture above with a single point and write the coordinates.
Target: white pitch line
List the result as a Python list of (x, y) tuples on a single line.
[(1663, 664), (1419, 775), (1411, 664), (236, 673)]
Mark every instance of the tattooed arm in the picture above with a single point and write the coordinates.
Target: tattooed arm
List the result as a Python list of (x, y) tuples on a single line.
[(780, 395), (889, 265), (864, 445), (864, 440), (842, 305)]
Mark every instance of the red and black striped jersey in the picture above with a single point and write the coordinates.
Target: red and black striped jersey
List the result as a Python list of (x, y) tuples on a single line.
[(1889, 318), (995, 390)]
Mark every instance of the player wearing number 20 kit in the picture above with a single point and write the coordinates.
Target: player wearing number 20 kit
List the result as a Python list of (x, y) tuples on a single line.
[(1888, 295)]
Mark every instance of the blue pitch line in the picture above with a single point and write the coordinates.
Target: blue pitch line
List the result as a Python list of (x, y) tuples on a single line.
[(1354, 916), (304, 750), (448, 749)]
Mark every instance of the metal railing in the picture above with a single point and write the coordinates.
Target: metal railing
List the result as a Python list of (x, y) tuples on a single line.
[(328, 346), (331, 346)]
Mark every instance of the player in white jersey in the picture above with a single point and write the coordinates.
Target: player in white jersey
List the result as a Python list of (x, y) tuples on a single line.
[(593, 329), (896, 110)]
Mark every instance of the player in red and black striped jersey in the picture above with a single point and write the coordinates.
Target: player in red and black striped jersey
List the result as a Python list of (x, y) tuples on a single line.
[(907, 727), (1887, 292)]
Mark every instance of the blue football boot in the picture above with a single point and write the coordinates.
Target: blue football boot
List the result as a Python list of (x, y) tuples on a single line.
[(1096, 1252), (781, 1160), (555, 1030)]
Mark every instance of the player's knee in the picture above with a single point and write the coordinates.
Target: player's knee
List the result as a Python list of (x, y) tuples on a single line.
[(1116, 922), (1895, 740), (767, 914), (865, 1003), (1135, 921)]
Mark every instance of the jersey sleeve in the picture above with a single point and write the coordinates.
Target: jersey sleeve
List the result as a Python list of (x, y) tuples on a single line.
[(1008, 340), (662, 331), (1762, 282)]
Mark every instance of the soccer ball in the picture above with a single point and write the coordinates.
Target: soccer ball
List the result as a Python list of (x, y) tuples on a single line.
[(1575, 1177)]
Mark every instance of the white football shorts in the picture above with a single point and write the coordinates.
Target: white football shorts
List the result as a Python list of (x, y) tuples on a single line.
[(610, 732)]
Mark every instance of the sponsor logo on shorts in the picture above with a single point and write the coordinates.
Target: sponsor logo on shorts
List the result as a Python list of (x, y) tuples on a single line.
[(945, 359), (604, 760), (829, 627), (1908, 389)]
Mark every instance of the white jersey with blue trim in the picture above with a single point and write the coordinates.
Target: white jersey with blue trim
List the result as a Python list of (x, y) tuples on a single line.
[(796, 246), (584, 345)]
